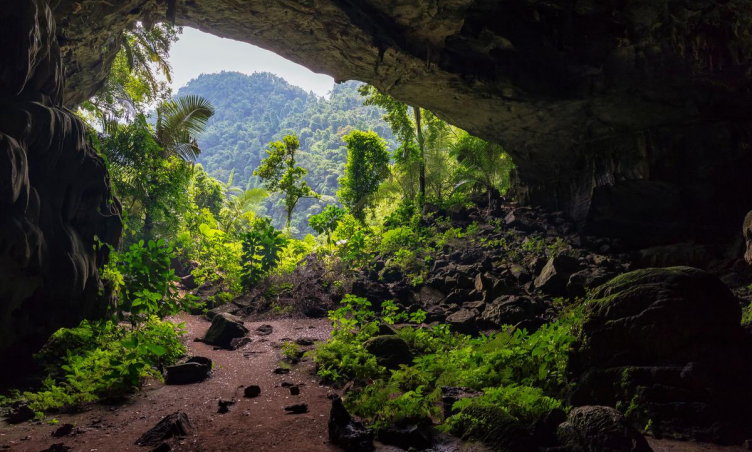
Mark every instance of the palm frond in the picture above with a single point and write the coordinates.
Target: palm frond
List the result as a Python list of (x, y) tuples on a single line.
[(180, 121)]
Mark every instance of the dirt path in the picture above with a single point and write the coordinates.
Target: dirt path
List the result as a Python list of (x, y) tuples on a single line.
[(258, 424)]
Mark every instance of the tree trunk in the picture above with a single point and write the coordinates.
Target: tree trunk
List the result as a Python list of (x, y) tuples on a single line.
[(421, 146)]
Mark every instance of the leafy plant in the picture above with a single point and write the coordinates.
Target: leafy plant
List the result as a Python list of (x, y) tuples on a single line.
[(262, 246), (149, 284), (282, 175), (327, 221)]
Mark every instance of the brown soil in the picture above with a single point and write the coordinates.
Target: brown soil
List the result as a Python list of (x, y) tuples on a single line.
[(258, 424)]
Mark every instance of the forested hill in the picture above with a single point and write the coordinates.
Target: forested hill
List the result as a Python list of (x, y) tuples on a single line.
[(252, 110)]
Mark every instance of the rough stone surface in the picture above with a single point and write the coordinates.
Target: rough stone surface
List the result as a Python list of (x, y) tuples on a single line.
[(175, 424), (555, 275), (224, 328), (347, 433), (669, 343), (599, 103), (390, 351), (510, 310), (194, 370), (600, 429), (464, 321), (54, 191)]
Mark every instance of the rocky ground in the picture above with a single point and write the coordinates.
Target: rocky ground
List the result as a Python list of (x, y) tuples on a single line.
[(669, 339), (258, 424)]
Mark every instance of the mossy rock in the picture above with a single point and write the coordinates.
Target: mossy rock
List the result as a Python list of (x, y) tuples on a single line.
[(649, 315), (390, 351), (495, 427)]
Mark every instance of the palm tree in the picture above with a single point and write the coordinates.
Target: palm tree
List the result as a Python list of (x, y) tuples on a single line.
[(240, 206), (483, 165), (179, 122)]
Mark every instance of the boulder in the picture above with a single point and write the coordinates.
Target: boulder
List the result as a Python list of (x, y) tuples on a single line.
[(174, 425), (686, 253), (582, 281), (747, 231), (224, 328), (194, 370), (429, 296), (600, 429), (452, 394), (372, 291), (510, 310), (496, 428), (346, 432), (297, 408), (19, 412), (252, 391), (464, 321), (407, 437), (554, 276), (390, 351), (668, 344)]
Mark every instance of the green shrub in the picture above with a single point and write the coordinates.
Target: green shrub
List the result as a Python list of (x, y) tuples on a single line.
[(96, 360), (262, 248), (522, 375), (149, 285)]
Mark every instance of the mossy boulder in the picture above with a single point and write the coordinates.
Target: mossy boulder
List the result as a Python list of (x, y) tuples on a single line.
[(495, 427), (390, 351), (667, 347), (600, 429), (650, 315)]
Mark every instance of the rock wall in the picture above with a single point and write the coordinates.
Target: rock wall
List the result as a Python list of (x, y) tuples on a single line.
[(602, 104), (54, 190)]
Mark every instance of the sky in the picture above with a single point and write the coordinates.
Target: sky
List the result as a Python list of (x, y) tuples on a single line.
[(198, 53)]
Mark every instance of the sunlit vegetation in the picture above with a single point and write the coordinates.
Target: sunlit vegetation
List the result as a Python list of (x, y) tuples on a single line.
[(286, 175)]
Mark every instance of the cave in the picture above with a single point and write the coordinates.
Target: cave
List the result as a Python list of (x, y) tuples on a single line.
[(632, 118)]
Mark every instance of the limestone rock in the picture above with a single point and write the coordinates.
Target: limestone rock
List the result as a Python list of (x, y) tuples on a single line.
[(600, 429), (464, 321), (510, 310), (390, 351), (346, 432), (55, 195), (176, 424), (224, 328), (555, 275), (669, 342), (194, 370)]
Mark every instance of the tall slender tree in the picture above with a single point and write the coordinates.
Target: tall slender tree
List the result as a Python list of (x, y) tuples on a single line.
[(282, 174), (367, 166)]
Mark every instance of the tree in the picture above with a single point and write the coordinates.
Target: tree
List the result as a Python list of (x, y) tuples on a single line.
[(138, 78), (483, 165), (367, 166), (240, 207), (410, 131), (327, 221), (151, 187), (207, 192), (281, 174), (179, 122), (143, 155)]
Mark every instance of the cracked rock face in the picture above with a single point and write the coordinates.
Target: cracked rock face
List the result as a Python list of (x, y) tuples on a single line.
[(600, 103), (54, 190)]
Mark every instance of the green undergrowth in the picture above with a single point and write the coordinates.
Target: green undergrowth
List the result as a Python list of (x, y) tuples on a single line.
[(520, 373), (99, 360), (112, 357)]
